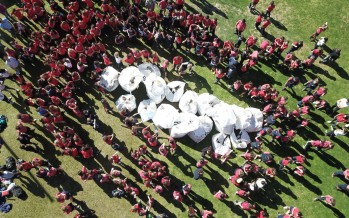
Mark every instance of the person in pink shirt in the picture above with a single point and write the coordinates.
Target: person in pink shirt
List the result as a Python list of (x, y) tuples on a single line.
[(240, 26)]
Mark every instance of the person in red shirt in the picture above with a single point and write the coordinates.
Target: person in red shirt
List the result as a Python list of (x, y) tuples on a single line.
[(18, 13), (319, 31), (265, 24), (252, 5), (177, 61), (327, 199), (240, 26), (206, 213), (220, 195), (270, 8), (219, 75), (245, 205)]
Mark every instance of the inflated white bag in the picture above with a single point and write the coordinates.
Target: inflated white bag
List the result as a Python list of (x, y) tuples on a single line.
[(147, 109), (205, 127), (156, 88), (188, 102), (206, 102), (126, 102), (242, 118), (242, 142), (174, 91), (255, 121), (223, 117), (221, 143), (130, 78), (147, 68), (109, 79), (164, 116), (183, 124)]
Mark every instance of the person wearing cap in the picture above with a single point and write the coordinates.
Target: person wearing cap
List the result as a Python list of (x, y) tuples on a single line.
[(327, 199)]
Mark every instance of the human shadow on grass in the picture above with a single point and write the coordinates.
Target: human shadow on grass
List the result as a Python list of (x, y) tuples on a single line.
[(267, 198), (278, 24), (340, 71), (206, 7), (335, 211), (329, 159), (84, 210), (65, 182), (341, 144), (307, 184), (318, 70), (279, 189)]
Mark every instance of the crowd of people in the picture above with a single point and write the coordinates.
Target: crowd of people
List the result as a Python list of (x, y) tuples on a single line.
[(71, 44)]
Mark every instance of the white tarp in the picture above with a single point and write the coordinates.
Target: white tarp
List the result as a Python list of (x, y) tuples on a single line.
[(156, 88), (205, 127), (130, 78), (256, 120), (223, 117), (164, 116), (188, 102), (109, 79), (183, 124), (175, 90), (126, 102), (205, 102), (147, 109), (221, 143), (147, 68)]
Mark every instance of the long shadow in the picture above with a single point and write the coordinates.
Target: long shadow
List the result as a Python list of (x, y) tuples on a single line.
[(278, 24), (206, 8), (32, 177), (84, 209), (330, 160), (335, 211), (341, 143), (307, 184)]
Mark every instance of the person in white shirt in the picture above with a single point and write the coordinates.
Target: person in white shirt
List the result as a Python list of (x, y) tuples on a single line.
[(118, 60), (341, 103), (337, 132), (322, 41)]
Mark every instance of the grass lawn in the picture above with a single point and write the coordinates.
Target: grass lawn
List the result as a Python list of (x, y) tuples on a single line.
[(296, 20)]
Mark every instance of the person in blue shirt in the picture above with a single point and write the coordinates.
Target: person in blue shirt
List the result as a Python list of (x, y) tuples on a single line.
[(6, 24)]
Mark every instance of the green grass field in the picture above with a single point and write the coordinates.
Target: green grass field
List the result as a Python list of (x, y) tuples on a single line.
[(296, 20)]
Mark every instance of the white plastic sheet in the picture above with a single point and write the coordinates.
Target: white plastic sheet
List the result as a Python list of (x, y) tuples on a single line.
[(156, 88), (223, 117), (205, 102), (175, 90), (164, 116), (188, 102), (147, 68), (126, 102), (109, 79), (130, 78), (183, 124), (205, 127), (147, 109)]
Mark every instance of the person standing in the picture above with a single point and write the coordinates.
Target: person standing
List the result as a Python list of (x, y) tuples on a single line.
[(340, 104), (13, 63), (240, 26), (265, 24), (327, 199), (270, 8), (258, 21)]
